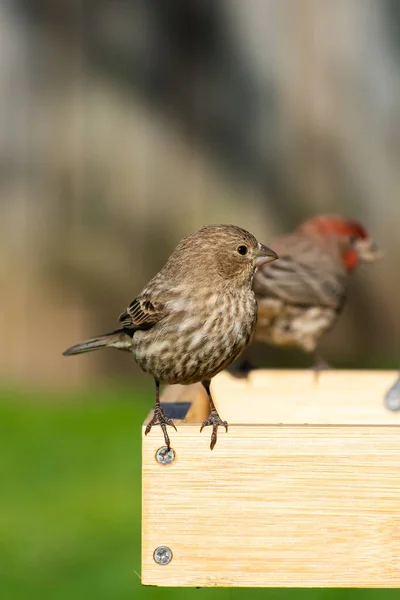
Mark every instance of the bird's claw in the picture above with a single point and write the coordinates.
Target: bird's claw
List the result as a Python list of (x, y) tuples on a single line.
[(160, 418), (215, 420)]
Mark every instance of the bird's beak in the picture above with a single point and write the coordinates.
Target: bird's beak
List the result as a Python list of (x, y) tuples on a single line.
[(367, 250), (265, 255)]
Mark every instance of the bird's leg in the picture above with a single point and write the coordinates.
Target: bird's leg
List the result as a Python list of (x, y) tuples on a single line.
[(160, 418), (320, 363), (213, 418)]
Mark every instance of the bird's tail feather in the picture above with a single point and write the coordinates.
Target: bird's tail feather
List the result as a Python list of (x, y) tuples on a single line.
[(120, 339)]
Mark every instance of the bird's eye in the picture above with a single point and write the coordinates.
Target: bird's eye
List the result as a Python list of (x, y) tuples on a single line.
[(353, 239), (242, 250)]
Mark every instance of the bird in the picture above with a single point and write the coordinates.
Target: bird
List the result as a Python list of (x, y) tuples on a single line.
[(301, 295), (194, 317)]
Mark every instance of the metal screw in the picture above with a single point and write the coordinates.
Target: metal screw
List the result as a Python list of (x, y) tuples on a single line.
[(162, 555), (165, 455)]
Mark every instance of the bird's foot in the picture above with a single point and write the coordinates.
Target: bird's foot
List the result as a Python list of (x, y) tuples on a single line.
[(160, 418), (320, 364), (215, 420)]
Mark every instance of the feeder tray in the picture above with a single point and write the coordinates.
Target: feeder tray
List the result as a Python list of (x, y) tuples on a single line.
[(303, 491)]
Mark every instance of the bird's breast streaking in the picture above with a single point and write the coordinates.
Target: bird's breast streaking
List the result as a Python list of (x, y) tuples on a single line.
[(198, 337)]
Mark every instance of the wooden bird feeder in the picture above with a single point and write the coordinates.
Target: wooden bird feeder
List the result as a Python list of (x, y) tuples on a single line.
[(303, 491)]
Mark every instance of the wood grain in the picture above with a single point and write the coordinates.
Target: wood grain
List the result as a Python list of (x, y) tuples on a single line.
[(272, 505)]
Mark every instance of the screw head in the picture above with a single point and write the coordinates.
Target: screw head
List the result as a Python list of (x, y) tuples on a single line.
[(165, 456), (162, 555)]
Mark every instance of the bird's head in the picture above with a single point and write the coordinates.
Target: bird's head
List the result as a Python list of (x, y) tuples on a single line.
[(350, 237), (223, 251)]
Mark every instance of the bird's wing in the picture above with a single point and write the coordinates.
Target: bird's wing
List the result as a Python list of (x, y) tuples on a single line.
[(142, 313), (305, 275)]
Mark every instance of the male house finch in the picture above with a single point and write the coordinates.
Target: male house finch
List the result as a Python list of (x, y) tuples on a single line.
[(301, 295), (195, 316)]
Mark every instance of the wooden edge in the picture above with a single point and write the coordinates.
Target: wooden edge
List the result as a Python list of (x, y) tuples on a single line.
[(293, 390), (303, 396), (352, 378), (258, 434)]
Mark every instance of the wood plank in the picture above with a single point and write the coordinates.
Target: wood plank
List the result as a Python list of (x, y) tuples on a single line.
[(297, 397), (296, 506)]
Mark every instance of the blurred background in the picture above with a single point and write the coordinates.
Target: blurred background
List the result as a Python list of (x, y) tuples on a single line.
[(124, 126)]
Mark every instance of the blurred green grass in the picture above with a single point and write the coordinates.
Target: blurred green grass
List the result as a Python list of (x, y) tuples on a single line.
[(70, 501)]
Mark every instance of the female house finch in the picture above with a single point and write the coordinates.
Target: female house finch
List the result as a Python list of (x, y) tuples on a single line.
[(195, 316), (300, 296)]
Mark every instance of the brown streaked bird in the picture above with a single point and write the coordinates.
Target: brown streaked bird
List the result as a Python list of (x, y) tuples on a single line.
[(301, 295), (194, 317)]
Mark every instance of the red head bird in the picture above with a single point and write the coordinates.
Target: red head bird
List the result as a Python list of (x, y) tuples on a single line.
[(301, 294)]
